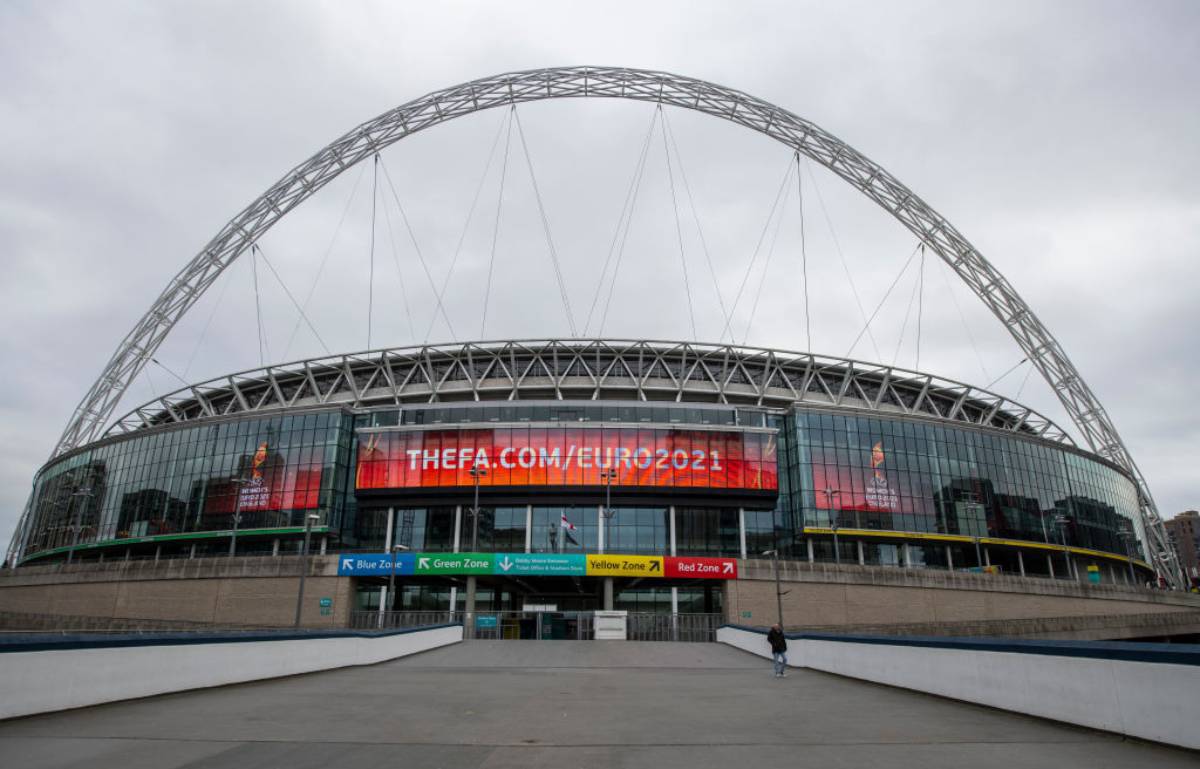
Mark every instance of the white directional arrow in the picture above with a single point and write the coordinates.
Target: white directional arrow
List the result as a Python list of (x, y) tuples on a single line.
[(423, 563), (506, 564), (348, 564), (727, 568)]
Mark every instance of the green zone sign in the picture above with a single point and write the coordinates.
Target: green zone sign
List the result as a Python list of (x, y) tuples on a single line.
[(453, 563)]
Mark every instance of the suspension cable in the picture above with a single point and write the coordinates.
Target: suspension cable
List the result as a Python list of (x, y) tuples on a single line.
[(387, 219), (325, 259), (496, 228), (640, 174), (257, 307), (866, 326), (630, 194), (371, 269), (1024, 381), (487, 167), (303, 316), (412, 237), (996, 381), (920, 306), (687, 285), (963, 318), (562, 286), (762, 278), (803, 255), (754, 256), (912, 299), (842, 258), (204, 331), (687, 189)]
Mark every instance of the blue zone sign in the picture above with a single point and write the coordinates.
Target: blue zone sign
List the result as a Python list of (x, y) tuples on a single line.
[(375, 564)]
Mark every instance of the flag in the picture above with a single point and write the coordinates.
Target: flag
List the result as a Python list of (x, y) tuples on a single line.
[(568, 527)]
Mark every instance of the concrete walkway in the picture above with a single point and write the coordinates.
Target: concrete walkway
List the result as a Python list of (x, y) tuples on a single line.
[(561, 704)]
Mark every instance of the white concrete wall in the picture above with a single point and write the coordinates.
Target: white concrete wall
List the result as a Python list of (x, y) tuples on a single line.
[(45, 681), (1152, 701)]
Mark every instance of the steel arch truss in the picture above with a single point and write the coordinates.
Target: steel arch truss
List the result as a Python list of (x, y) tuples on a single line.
[(592, 369), (657, 87)]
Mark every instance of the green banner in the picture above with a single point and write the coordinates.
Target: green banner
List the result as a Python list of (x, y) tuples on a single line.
[(454, 563)]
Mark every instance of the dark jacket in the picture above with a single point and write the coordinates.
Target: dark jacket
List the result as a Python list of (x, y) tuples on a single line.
[(777, 641)]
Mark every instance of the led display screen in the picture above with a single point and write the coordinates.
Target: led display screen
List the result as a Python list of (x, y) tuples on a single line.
[(568, 456)]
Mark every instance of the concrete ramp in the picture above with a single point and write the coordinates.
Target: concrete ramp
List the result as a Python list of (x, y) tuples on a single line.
[(554, 704), (584, 655)]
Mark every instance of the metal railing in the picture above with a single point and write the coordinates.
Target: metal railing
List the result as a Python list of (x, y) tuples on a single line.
[(549, 625)]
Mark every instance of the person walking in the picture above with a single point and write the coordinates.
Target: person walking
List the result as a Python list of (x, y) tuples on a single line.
[(778, 643)]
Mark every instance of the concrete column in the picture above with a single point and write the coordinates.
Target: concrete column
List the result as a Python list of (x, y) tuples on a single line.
[(608, 593), (391, 530), (453, 598), (809, 544), (672, 512), (1050, 564), (457, 526), (674, 600), (128, 552), (469, 615), (157, 552), (907, 556), (862, 558), (600, 528), (324, 544), (528, 528), (275, 548), (987, 557), (1021, 562), (742, 530), (192, 554), (949, 559)]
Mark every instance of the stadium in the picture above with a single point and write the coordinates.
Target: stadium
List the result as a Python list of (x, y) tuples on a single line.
[(563, 476)]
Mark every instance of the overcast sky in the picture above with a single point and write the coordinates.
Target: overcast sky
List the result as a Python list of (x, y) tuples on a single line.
[(1059, 137)]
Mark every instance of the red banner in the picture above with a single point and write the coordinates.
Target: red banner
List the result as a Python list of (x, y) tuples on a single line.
[(568, 456), (700, 568)]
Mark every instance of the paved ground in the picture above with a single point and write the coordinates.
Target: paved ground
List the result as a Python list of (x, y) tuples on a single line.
[(561, 704)]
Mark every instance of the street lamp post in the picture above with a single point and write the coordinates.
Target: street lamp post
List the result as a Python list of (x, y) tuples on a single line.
[(239, 483), (476, 474), (392, 575), (778, 587), (608, 476), (308, 524), (1127, 535), (85, 491), (830, 493), (1060, 522)]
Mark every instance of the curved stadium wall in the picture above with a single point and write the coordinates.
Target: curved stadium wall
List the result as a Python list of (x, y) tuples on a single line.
[(781, 451)]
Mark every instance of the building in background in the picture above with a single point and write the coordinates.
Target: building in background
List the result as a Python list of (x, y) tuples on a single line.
[(1184, 530)]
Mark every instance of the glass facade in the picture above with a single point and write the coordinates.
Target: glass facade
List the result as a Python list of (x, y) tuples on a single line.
[(179, 489), (269, 472)]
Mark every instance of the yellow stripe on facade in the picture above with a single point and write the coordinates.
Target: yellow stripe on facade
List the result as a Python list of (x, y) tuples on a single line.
[(963, 539)]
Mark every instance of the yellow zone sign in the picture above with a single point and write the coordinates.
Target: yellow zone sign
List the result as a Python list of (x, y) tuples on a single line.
[(624, 566)]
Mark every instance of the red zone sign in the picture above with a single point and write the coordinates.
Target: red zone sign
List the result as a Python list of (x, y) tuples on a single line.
[(700, 568)]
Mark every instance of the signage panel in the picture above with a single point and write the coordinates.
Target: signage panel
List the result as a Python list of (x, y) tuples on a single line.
[(454, 563), (656, 457), (624, 566), (700, 568), (537, 564), (373, 564), (546, 564), (486, 621)]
